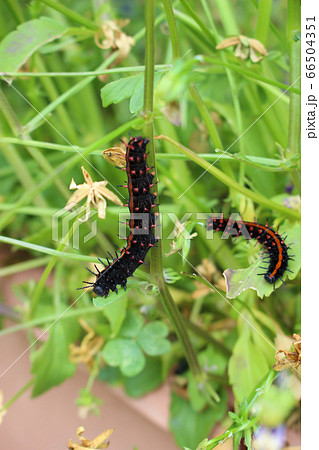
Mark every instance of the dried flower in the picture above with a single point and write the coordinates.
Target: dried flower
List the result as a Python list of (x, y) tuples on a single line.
[(208, 270), (245, 47), (115, 155), (95, 193), (115, 38), (89, 347), (97, 443), (289, 358)]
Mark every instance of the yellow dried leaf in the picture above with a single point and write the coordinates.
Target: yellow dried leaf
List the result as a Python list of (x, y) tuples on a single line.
[(115, 155), (97, 443)]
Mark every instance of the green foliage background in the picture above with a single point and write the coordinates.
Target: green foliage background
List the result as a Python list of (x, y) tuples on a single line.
[(208, 106)]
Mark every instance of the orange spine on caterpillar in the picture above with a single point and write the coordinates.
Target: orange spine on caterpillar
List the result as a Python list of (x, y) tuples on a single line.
[(141, 223), (273, 243)]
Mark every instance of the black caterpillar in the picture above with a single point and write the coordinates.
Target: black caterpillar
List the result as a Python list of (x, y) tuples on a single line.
[(142, 222), (273, 243)]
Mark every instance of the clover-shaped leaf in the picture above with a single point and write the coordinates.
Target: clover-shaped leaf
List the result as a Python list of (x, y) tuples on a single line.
[(126, 350), (125, 353), (152, 338)]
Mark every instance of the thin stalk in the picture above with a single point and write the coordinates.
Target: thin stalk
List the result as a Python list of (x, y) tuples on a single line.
[(66, 165), (263, 20), (228, 19), (95, 73), (51, 318), (156, 261), (71, 14), (294, 126), (46, 250), (38, 119), (23, 266), (258, 198), (52, 93), (40, 285), (17, 395), (206, 30), (260, 79), (172, 28)]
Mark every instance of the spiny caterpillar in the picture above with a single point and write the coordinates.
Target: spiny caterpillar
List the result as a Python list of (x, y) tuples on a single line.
[(141, 223), (273, 243)]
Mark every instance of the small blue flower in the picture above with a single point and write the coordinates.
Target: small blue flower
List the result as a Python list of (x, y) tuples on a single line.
[(270, 438)]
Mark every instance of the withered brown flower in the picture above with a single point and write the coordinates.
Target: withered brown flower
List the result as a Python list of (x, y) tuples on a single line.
[(113, 37), (95, 193), (97, 443), (209, 271), (245, 47), (91, 344), (287, 359)]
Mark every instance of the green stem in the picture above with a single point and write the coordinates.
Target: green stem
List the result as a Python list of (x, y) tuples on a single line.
[(40, 285), (67, 165), (71, 14), (17, 395), (80, 312), (294, 127), (172, 28), (156, 260), (263, 20), (260, 79), (46, 250), (26, 265), (206, 30), (83, 74), (232, 183), (38, 119)]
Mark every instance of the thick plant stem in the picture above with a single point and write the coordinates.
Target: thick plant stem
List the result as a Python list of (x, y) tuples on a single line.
[(293, 27), (156, 259)]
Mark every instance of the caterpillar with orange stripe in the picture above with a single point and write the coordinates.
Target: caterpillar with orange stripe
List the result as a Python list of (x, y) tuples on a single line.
[(141, 223), (273, 243)]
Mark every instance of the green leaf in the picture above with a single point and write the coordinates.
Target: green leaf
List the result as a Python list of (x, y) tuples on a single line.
[(50, 364), (237, 281), (115, 313), (118, 90), (110, 375), (132, 324), (152, 338), (20, 44), (129, 87), (147, 380), (113, 297), (190, 427), (246, 366), (276, 404), (126, 354)]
